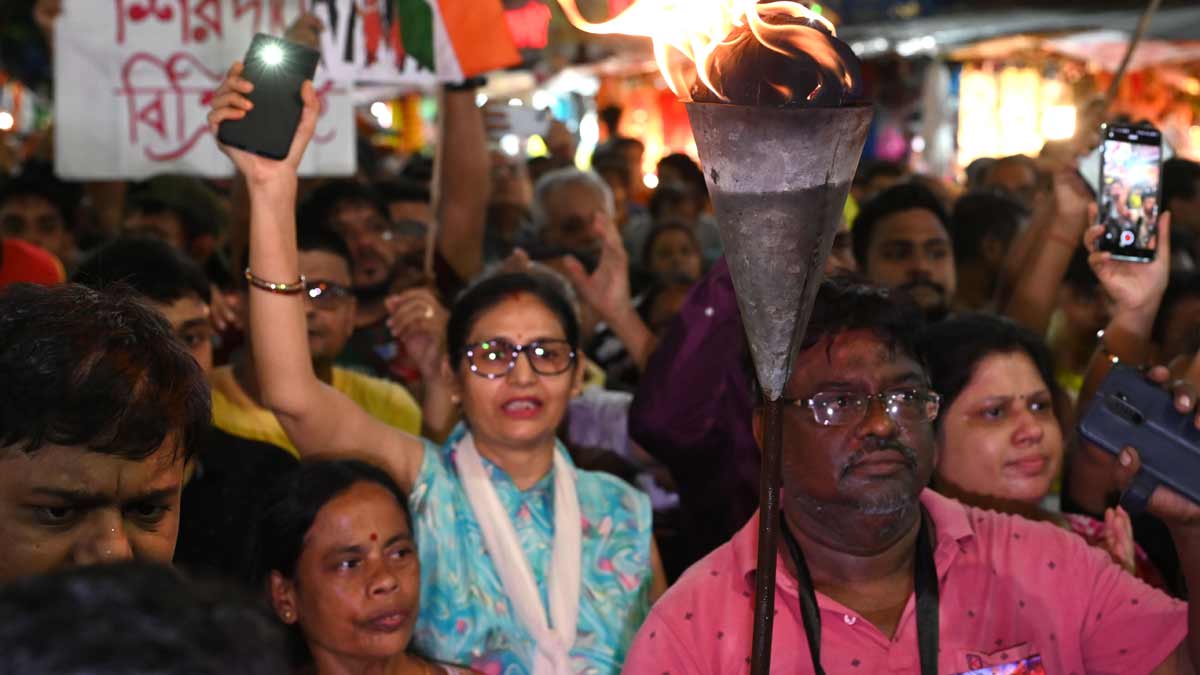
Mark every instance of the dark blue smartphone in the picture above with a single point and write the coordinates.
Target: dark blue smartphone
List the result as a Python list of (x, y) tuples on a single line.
[(277, 68), (1131, 411)]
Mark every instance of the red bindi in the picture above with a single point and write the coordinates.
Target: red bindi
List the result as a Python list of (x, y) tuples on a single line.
[(374, 536)]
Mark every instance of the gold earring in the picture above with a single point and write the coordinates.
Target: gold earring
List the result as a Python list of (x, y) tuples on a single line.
[(287, 615), (455, 399)]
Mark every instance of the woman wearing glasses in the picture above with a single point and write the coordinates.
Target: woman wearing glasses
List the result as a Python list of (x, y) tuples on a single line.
[(528, 565), (1000, 430)]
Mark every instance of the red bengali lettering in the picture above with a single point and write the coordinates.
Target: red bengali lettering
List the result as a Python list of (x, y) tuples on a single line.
[(138, 11), (173, 86)]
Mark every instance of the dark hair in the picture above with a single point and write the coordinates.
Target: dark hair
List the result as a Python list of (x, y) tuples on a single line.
[(133, 618), (153, 268), (1079, 276), (403, 190), (44, 186), (977, 170), (318, 206), (878, 168), (195, 204), (667, 196), (102, 370), (295, 501), (1182, 286), (1180, 178), (845, 303), (623, 143), (661, 229), (953, 349), (321, 237), (898, 198), (691, 172), (1024, 161), (607, 164), (983, 214), (495, 289)]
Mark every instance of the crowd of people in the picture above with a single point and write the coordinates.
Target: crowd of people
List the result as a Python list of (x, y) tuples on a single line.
[(353, 426)]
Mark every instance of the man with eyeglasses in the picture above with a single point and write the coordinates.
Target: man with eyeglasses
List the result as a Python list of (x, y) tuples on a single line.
[(327, 269), (878, 574)]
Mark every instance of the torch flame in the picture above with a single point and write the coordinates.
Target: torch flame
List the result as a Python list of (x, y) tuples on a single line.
[(688, 36)]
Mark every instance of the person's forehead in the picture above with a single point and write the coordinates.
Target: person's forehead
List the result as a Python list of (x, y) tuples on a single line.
[(521, 317), (910, 225), (576, 195), (419, 211), (1008, 373), (77, 469), (1011, 172), (355, 212), (355, 514), (853, 355), (672, 238), (185, 310), (28, 205), (324, 265)]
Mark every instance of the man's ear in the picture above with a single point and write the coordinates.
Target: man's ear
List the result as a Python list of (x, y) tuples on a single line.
[(283, 598)]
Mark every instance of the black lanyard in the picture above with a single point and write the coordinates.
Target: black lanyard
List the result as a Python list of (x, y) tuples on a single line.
[(925, 583)]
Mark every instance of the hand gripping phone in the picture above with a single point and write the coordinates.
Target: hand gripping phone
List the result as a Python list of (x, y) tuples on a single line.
[(1131, 411), (1130, 186), (277, 68)]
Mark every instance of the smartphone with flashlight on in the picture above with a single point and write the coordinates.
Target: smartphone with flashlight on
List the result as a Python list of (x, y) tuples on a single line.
[(277, 68), (1130, 185)]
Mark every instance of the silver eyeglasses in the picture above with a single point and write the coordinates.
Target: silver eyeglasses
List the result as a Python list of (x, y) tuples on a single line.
[(903, 406)]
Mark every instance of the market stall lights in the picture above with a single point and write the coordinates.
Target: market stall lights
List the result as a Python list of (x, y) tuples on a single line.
[(542, 100), (1058, 122), (650, 181), (914, 46), (516, 102), (510, 144), (872, 47), (6, 120), (382, 113)]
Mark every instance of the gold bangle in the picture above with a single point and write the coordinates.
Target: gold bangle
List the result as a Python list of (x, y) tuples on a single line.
[(273, 287)]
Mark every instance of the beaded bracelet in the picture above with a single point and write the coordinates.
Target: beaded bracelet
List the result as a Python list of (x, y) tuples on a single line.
[(273, 287)]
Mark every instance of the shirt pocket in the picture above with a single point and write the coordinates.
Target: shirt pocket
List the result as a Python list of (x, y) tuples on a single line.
[(1022, 658)]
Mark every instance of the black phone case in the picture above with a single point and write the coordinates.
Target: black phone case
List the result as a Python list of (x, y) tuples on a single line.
[(268, 128), (1131, 411)]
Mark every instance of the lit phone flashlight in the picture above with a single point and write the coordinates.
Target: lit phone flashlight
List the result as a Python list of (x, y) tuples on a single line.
[(277, 68)]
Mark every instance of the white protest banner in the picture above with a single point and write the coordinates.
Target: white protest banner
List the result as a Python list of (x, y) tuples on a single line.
[(134, 80)]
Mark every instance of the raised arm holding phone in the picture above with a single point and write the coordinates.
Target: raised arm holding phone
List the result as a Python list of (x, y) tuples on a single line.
[(512, 341)]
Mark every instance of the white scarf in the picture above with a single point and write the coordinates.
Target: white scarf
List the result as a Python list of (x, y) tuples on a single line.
[(553, 644)]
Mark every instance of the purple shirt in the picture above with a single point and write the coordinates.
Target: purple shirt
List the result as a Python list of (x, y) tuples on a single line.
[(692, 413), (1010, 589)]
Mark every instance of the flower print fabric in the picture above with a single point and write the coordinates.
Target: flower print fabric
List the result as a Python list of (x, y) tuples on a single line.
[(465, 615)]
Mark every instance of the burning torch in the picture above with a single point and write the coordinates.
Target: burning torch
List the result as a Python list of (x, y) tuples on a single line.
[(770, 92)]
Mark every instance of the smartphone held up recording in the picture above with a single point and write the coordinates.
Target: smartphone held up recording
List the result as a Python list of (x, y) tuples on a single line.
[(1130, 182), (277, 68)]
